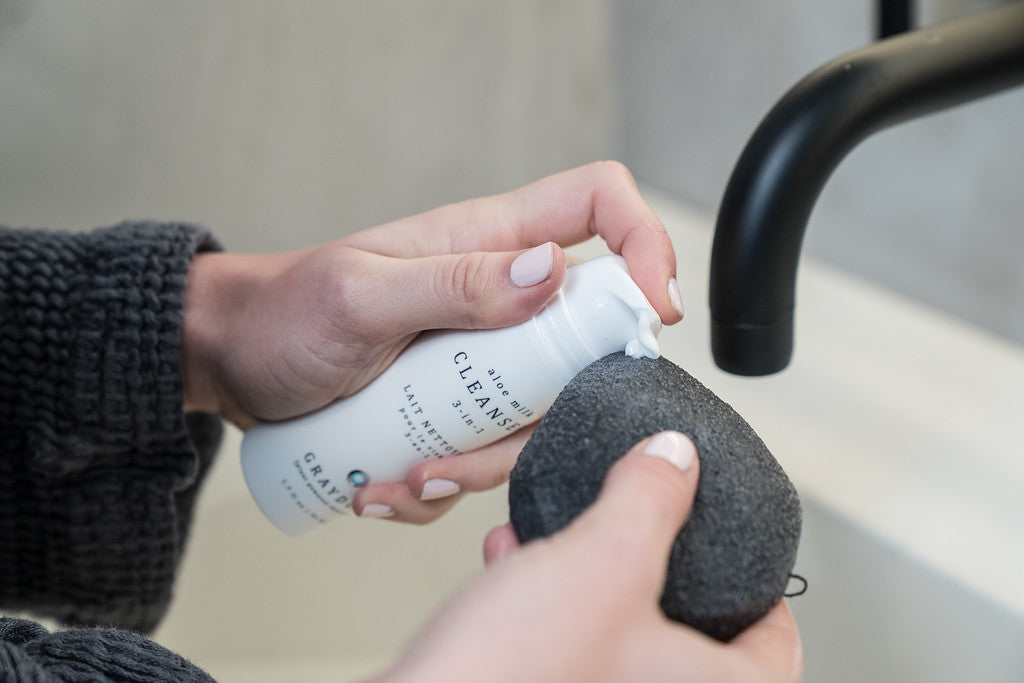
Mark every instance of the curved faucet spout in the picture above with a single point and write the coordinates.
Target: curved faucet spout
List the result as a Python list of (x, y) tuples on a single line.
[(785, 165)]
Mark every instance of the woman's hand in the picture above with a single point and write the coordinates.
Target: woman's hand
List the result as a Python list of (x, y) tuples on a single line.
[(583, 604), (269, 337)]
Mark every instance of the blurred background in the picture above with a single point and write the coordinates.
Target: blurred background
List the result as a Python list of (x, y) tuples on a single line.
[(280, 125)]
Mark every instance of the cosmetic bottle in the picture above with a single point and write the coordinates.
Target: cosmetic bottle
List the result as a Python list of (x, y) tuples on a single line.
[(449, 392)]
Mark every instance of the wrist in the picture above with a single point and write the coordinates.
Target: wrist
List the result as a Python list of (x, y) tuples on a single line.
[(222, 319), (201, 333), (218, 290)]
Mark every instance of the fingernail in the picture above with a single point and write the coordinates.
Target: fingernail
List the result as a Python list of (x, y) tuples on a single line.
[(675, 297), (532, 267), (379, 510), (439, 488), (674, 447)]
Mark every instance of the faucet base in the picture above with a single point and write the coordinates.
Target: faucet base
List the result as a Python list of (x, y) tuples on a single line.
[(752, 349)]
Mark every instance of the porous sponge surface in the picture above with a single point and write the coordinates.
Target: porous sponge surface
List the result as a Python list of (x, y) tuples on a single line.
[(731, 562)]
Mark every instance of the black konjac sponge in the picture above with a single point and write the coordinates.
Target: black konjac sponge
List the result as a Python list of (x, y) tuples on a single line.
[(732, 560)]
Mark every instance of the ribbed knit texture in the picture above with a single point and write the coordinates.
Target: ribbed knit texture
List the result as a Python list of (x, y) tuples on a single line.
[(29, 653), (98, 474)]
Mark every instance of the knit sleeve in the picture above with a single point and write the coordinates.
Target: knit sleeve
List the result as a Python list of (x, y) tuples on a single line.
[(30, 653), (98, 465)]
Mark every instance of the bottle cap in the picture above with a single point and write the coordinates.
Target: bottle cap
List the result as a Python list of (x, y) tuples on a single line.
[(600, 310)]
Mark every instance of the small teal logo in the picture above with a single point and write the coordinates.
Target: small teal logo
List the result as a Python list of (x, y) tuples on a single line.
[(357, 478)]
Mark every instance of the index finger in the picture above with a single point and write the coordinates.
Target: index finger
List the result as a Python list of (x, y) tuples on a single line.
[(568, 208)]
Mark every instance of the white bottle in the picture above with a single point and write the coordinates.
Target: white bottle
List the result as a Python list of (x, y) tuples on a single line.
[(448, 392)]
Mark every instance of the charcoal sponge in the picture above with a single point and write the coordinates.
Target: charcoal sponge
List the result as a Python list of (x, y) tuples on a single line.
[(732, 560)]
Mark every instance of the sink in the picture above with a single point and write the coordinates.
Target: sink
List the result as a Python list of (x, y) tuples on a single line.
[(898, 426)]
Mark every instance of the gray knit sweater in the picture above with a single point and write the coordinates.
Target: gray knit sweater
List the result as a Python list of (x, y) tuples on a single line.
[(99, 468)]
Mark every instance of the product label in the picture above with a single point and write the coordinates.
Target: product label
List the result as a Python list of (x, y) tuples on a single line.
[(331, 493), (480, 401), (413, 412), (423, 436), (487, 405)]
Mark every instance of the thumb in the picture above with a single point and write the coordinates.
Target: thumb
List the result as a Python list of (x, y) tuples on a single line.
[(646, 499), (476, 290)]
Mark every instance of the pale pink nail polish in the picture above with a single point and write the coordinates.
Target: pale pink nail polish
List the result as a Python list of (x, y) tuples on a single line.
[(378, 510), (675, 297), (674, 447), (533, 266), (439, 488)]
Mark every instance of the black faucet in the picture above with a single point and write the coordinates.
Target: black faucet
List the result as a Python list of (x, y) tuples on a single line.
[(782, 170)]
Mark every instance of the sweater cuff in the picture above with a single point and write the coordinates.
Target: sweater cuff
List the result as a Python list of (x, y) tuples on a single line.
[(98, 474), (123, 290)]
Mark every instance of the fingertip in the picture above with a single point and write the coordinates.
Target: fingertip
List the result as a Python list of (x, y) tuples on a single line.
[(474, 471), (675, 298), (499, 542), (396, 501), (536, 274), (651, 259), (645, 461), (518, 287), (662, 289), (434, 489), (475, 290), (533, 266), (374, 501), (673, 447), (377, 511), (531, 299)]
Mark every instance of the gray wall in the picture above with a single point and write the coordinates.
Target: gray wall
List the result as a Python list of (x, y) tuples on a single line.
[(281, 124), (932, 208), (285, 124)]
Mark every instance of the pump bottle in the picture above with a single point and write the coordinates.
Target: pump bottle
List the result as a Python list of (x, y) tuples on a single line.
[(449, 392)]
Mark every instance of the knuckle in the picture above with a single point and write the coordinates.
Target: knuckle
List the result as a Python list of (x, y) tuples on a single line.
[(462, 279), (613, 171), (340, 286)]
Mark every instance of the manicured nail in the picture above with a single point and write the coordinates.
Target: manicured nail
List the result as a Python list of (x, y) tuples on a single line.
[(674, 447), (439, 488), (532, 267), (379, 510), (675, 297)]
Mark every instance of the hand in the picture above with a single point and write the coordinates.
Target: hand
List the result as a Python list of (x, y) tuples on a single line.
[(269, 337), (583, 604)]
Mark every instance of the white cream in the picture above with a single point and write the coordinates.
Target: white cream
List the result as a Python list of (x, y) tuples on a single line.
[(447, 393), (645, 345)]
